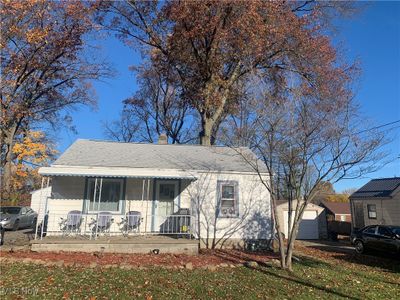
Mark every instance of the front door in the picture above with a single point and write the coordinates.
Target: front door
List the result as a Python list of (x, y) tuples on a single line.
[(166, 202)]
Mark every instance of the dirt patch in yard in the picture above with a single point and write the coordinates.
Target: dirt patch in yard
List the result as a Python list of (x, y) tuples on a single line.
[(205, 258)]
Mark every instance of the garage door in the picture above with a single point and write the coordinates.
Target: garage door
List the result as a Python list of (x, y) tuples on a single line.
[(308, 229)]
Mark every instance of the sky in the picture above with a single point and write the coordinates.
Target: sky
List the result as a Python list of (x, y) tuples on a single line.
[(372, 37)]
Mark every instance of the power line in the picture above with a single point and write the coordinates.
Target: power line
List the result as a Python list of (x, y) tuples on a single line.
[(380, 126)]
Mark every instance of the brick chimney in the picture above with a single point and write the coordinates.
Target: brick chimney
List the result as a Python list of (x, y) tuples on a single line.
[(163, 139)]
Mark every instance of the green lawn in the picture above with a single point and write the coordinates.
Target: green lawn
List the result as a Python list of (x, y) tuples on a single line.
[(311, 279)]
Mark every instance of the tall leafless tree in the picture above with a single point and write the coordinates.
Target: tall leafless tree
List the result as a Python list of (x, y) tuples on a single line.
[(156, 108), (308, 141)]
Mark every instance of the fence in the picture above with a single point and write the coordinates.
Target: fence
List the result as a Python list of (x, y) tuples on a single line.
[(94, 225)]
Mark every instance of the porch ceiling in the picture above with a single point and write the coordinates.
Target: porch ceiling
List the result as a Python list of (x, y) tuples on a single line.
[(116, 172)]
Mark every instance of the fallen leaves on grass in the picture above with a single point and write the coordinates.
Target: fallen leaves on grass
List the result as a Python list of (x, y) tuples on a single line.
[(205, 258)]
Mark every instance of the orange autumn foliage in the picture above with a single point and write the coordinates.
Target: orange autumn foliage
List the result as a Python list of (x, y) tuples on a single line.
[(31, 152), (44, 69)]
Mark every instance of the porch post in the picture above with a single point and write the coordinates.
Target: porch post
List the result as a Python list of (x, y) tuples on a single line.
[(147, 204), (94, 202), (45, 212), (142, 204), (98, 207), (40, 204)]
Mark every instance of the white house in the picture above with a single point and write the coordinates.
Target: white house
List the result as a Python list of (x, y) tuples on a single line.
[(211, 193)]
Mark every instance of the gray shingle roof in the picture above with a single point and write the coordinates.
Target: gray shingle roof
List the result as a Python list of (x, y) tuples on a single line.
[(378, 188), (136, 155)]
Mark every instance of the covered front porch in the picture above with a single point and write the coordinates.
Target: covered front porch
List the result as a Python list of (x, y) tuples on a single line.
[(101, 203)]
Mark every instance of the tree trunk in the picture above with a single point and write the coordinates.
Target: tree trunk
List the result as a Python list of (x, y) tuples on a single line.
[(9, 144), (278, 230), (205, 135), (293, 234)]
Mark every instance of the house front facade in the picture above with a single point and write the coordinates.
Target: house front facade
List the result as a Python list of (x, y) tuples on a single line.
[(209, 193), (376, 203)]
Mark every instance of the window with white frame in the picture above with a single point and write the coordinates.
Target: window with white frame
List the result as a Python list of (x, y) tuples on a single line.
[(228, 198), (342, 218), (371, 208), (104, 194)]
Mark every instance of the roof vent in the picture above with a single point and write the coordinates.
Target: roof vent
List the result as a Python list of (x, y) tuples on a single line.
[(163, 139)]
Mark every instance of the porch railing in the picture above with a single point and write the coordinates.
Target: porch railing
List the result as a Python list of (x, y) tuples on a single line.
[(95, 225)]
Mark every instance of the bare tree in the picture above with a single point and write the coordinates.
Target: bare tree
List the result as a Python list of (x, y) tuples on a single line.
[(156, 108), (212, 47), (307, 142), (124, 129)]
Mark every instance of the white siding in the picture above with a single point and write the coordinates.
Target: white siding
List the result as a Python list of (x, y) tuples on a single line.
[(66, 195), (38, 199), (135, 202), (254, 221)]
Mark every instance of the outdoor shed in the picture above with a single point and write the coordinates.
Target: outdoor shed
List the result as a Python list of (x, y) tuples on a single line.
[(313, 224)]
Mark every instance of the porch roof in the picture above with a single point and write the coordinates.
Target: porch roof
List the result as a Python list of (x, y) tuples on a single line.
[(116, 172)]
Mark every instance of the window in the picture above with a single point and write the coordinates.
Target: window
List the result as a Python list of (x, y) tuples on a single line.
[(384, 231), (342, 218), (228, 198), (396, 230), (10, 210), (371, 211), (167, 191), (370, 230), (105, 194)]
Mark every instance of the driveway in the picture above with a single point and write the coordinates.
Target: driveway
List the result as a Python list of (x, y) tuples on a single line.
[(343, 251), (16, 240), (331, 246)]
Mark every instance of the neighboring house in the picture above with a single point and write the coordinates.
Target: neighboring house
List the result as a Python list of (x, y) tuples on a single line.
[(313, 224), (213, 190), (377, 202), (338, 218), (337, 211)]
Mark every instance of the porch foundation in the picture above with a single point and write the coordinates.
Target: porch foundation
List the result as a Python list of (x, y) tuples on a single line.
[(132, 245)]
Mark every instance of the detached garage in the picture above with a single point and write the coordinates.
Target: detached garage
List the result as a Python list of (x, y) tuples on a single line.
[(313, 224)]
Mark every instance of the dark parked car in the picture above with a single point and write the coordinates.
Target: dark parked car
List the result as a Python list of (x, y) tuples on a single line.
[(17, 217), (377, 237)]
